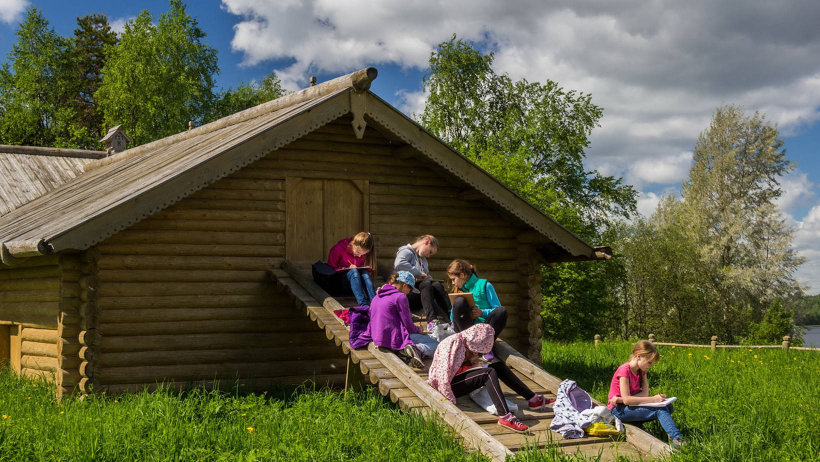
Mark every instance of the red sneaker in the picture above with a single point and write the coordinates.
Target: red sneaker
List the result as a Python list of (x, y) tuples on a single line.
[(539, 401), (510, 421)]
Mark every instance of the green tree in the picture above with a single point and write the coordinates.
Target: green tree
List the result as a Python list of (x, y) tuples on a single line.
[(532, 137), (34, 85), (246, 96), (743, 241), (159, 77), (87, 57)]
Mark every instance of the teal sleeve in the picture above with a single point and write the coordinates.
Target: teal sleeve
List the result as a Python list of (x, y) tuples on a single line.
[(492, 299)]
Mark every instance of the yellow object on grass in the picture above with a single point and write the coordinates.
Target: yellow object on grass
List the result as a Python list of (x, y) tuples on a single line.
[(601, 429)]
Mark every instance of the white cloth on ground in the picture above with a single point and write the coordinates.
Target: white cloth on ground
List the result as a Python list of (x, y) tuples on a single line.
[(482, 397)]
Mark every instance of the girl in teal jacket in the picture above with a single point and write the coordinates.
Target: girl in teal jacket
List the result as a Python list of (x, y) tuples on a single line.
[(487, 309)]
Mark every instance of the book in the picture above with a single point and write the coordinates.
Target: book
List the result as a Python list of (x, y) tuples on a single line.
[(342, 270), (467, 295), (663, 403)]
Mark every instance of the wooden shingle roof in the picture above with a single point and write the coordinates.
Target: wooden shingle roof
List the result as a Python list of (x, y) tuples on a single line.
[(27, 173), (117, 191)]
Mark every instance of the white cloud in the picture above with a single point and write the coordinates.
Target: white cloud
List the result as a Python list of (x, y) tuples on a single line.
[(118, 24), (412, 102), (648, 203), (798, 191), (806, 238), (666, 169), (11, 10)]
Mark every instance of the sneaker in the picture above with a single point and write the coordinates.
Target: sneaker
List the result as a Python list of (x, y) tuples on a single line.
[(414, 357), (677, 443), (510, 421), (488, 357), (539, 401)]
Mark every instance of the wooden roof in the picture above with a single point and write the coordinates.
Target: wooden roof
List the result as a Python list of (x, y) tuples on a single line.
[(29, 172), (117, 191)]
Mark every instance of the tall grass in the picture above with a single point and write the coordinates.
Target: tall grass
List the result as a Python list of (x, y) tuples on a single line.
[(733, 404), (200, 425)]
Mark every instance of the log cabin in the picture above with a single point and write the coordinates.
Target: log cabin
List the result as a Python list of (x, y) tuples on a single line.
[(121, 270)]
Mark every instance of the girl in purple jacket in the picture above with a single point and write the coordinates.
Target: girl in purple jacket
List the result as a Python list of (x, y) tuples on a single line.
[(391, 325), (356, 258)]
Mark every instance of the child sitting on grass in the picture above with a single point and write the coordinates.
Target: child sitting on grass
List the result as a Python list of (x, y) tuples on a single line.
[(629, 390)]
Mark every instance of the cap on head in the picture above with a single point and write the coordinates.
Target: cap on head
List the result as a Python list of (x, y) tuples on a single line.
[(407, 278)]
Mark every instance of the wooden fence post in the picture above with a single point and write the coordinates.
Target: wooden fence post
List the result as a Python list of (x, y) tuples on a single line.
[(652, 338), (714, 342), (597, 339), (787, 340)]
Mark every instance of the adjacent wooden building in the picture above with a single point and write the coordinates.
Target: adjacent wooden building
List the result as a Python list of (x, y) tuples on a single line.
[(149, 265)]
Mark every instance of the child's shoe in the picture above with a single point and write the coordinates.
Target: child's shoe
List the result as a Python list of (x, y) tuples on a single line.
[(678, 443), (510, 421), (414, 357), (539, 401), (488, 357)]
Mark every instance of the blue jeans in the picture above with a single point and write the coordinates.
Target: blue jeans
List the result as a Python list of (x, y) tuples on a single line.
[(362, 286), (644, 413), (426, 344)]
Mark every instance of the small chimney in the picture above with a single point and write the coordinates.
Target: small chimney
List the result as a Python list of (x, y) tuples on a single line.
[(115, 140)]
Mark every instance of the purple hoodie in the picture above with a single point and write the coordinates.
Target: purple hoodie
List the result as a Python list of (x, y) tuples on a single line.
[(390, 321)]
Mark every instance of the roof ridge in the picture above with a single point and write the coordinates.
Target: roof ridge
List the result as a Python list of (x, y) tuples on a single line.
[(359, 80), (52, 152)]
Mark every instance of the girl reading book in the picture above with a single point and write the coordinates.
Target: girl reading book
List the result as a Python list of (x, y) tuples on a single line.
[(486, 308), (356, 258), (629, 392)]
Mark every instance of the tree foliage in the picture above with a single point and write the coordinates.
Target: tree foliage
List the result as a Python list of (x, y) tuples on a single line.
[(715, 262), (159, 77), (530, 135), (246, 96), (34, 86)]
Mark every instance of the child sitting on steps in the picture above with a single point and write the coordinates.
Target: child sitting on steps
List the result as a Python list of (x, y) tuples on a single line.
[(629, 389)]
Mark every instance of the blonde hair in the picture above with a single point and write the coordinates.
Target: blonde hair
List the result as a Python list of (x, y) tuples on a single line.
[(429, 237), (366, 242), (646, 349)]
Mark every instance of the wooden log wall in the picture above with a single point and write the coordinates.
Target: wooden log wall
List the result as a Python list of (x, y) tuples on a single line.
[(31, 301), (184, 297)]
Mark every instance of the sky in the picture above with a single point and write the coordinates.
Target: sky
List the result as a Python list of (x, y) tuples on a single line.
[(658, 68)]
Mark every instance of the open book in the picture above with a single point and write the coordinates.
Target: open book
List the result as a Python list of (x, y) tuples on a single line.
[(663, 403), (342, 270)]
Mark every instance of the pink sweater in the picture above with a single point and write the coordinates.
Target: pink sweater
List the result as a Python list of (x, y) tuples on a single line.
[(341, 257)]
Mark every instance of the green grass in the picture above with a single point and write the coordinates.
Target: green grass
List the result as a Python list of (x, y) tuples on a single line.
[(733, 404), (203, 425)]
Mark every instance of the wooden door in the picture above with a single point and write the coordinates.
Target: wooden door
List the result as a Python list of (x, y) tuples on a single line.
[(320, 212)]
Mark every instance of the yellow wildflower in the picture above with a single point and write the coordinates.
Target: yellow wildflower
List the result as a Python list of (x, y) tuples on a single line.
[(755, 356), (5, 416), (243, 415), (250, 429)]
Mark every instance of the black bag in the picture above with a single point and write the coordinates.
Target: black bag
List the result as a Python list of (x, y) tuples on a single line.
[(334, 282)]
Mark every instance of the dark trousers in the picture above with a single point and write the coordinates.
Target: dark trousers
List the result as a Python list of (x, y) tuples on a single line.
[(432, 300), (462, 319), (489, 376)]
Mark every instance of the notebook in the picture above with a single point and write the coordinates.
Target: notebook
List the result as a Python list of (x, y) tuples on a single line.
[(466, 295)]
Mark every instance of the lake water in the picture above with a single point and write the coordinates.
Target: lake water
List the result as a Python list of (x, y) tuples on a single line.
[(811, 336)]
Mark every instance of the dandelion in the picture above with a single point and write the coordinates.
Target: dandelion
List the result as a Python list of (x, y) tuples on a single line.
[(250, 429), (705, 356), (795, 358), (5, 416), (690, 354), (243, 415), (755, 356), (62, 412), (673, 347)]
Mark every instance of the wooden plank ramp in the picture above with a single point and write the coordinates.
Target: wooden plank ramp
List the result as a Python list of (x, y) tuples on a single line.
[(477, 428)]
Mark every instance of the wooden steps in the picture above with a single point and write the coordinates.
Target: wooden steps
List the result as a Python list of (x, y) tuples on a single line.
[(475, 427)]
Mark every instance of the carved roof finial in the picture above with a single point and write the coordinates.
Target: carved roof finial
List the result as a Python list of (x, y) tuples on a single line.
[(312, 80)]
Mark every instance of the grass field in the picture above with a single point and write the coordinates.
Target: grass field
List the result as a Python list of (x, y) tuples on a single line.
[(212, 426), (733, 404)]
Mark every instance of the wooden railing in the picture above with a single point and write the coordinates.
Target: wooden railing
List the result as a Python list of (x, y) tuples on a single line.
[(713, 344)]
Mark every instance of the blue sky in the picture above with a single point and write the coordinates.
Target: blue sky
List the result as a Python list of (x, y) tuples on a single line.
[(658, 69)]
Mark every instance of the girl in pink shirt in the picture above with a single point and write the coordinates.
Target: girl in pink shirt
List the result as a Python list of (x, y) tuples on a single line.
[(355, 256), (629, 389)]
